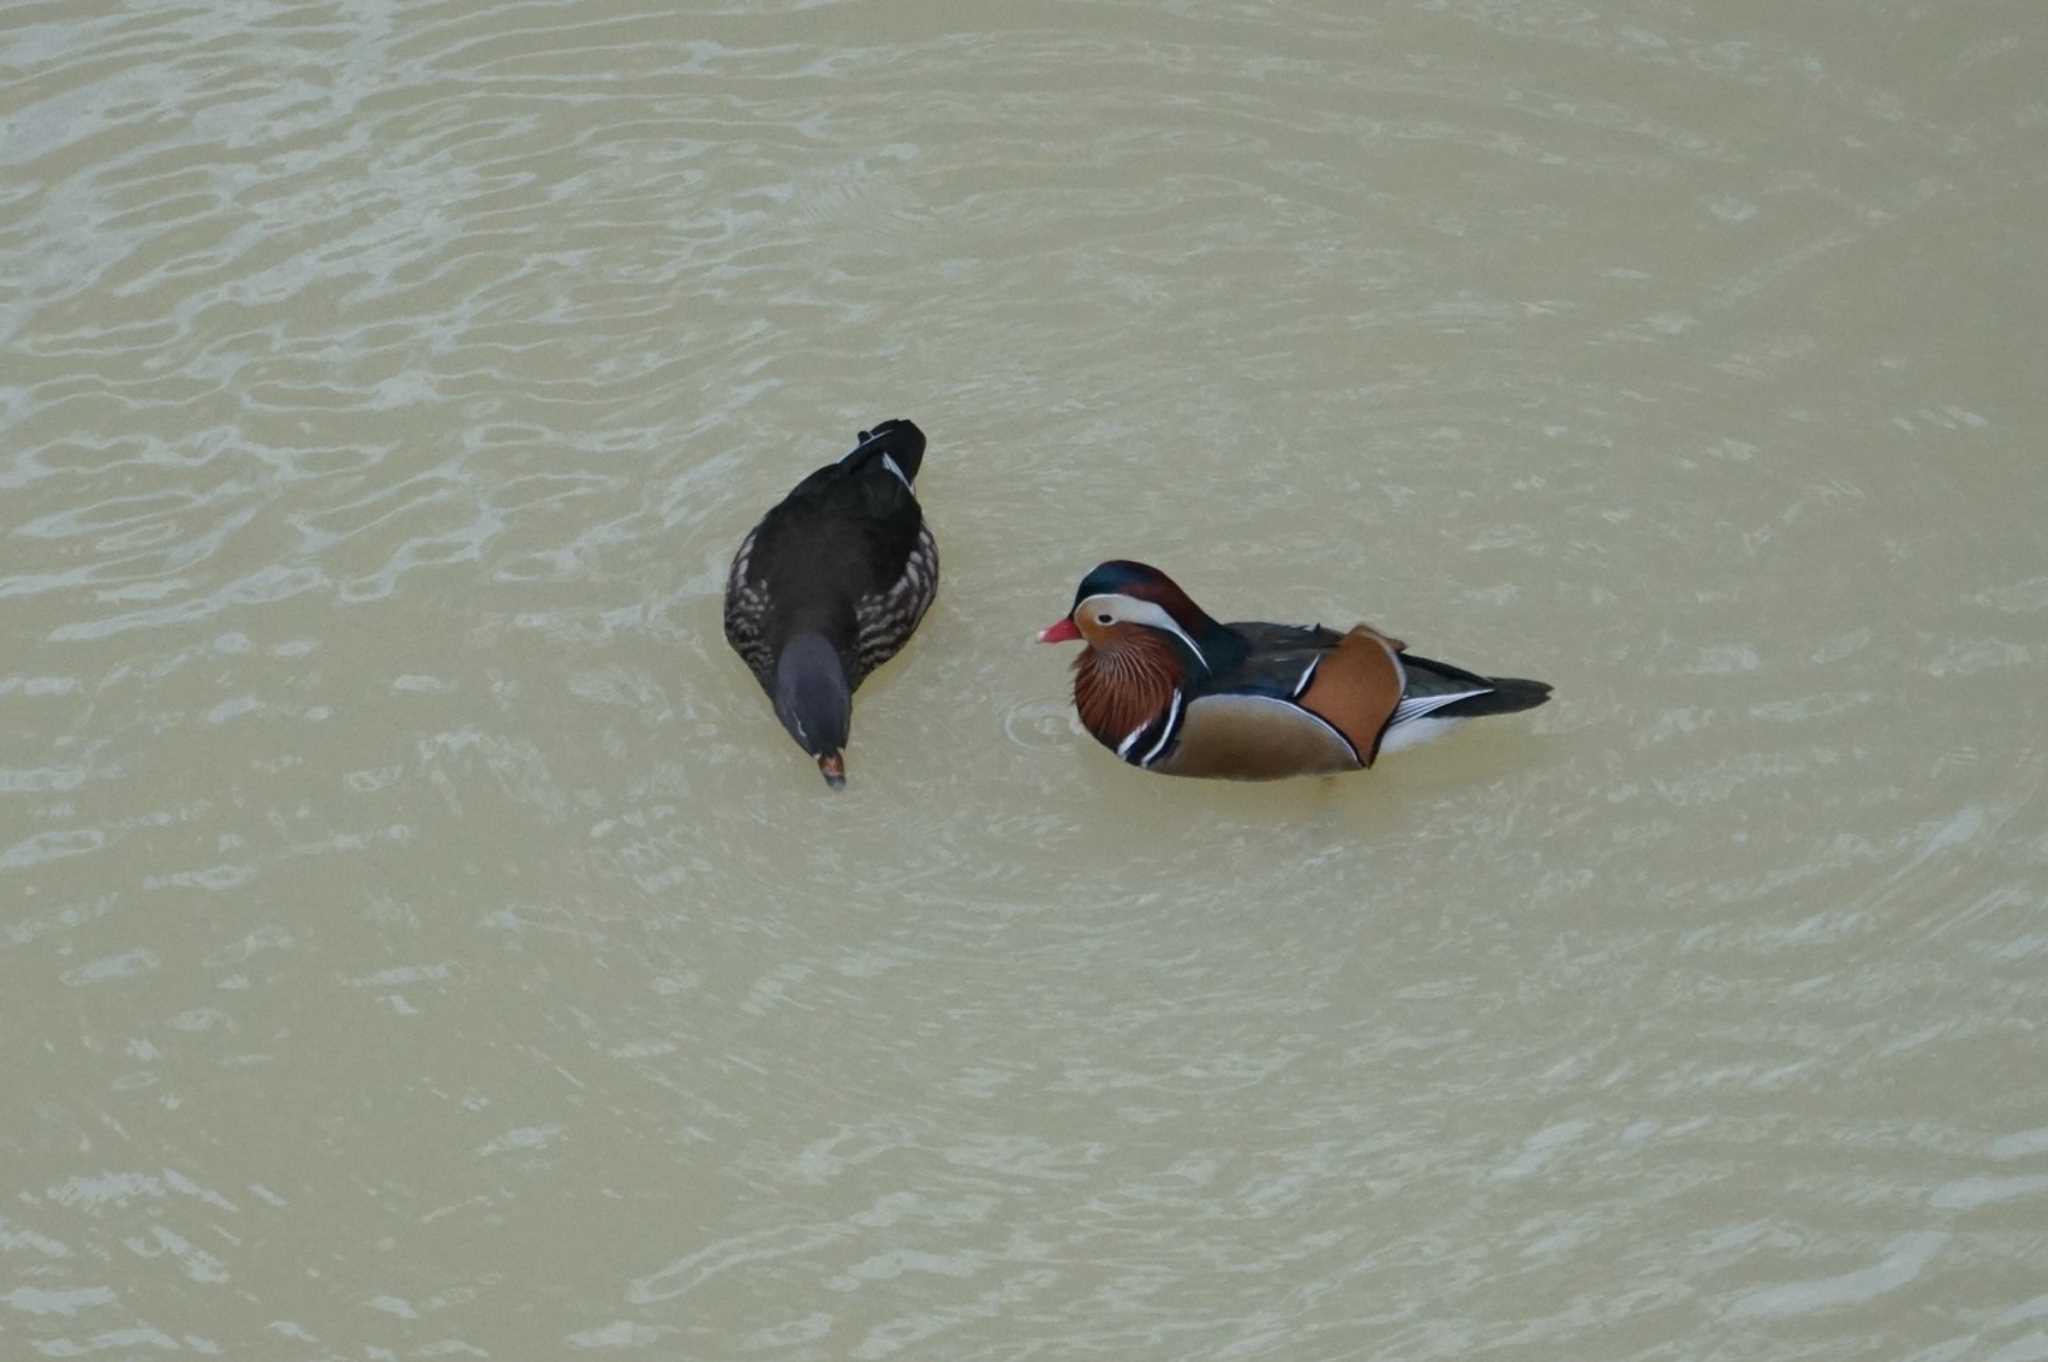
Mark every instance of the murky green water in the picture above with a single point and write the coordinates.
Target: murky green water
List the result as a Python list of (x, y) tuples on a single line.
[(418, 939)]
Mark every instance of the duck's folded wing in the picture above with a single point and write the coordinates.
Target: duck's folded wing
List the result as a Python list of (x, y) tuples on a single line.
[(1280, 660), (1301, 700), (1354, 682), (1447, 692)]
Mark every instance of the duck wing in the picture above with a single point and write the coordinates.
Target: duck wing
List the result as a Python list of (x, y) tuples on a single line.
[(1283, 705), (1275, 660)]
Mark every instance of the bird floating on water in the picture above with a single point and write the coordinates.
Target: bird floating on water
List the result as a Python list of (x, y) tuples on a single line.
[(1169, 689), (831, 584)]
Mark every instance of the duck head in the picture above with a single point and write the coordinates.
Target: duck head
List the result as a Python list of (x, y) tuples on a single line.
[(814, 702), (1123, 604), (1145, 640)]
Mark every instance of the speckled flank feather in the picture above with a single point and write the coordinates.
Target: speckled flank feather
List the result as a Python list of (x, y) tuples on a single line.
[(885, 620), (746, 614)]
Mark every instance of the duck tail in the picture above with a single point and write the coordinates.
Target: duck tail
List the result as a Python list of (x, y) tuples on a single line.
[(1510, 694), (899, 441)]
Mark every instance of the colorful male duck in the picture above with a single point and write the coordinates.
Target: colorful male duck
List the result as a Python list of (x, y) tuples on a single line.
[(1169, 689), (830, 584)]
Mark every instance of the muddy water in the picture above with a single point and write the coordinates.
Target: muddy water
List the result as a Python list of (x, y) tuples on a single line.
[(417, 939)]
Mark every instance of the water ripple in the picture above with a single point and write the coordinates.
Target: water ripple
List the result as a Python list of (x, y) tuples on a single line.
[(417, 916)]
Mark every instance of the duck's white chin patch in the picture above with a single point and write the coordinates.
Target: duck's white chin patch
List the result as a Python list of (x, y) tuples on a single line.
[(1416, 732)]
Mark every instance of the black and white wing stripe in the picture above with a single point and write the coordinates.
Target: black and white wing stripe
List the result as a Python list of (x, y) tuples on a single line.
[(1415, 707), (1148, 742), (1430, 686)]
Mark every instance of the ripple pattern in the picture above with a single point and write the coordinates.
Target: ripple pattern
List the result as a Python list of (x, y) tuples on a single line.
[(420, 941)]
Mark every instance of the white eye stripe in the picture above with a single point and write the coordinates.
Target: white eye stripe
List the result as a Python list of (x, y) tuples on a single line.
[(1135, 611), (890, 464)]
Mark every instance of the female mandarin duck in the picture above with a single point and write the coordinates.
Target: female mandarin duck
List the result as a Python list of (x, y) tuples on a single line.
[(830, 584), (1169, 689)]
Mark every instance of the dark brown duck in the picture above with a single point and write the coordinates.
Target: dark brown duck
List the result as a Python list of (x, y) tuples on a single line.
[(831, 584)]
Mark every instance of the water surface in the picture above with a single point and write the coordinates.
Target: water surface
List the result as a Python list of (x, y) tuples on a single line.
[(419, 940)]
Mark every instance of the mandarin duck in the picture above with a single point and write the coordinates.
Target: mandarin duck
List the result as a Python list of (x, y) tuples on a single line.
[(830, 584), (1169, 689)]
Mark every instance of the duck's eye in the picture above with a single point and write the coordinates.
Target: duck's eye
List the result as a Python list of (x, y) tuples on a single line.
[(1103, 619)]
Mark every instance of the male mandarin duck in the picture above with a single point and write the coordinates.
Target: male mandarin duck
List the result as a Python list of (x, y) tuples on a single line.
[(1169, 689), (830, 584)]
